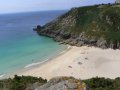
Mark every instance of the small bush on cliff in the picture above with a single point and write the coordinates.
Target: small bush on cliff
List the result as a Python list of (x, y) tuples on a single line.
[(20, 82), (96, 22), (103, 84)]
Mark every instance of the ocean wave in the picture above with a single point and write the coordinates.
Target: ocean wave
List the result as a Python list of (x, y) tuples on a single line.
[(30, 65), (38, 63), (62, 52), (2, 75), (65, 50), (34, 64), (68, 47)]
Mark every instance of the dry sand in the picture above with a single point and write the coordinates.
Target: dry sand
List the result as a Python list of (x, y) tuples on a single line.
[(80, 62)]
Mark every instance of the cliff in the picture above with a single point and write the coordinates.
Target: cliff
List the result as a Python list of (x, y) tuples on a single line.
[(97, 25), (34, 83), (59, 83), (64, 83)]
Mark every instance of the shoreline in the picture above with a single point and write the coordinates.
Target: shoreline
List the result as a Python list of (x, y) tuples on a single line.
[(47, 59), (79, 62), (35, 65)]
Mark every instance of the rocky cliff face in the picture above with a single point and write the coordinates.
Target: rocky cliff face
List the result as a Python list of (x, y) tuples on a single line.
[(63, 83), (34, 83), (97, 25)]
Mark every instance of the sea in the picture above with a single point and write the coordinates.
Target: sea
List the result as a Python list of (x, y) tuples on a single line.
[(20, 46)]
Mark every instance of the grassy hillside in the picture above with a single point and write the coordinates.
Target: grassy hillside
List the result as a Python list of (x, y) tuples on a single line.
[(103, 84), (31, 83), (97, 25), (21, 83)]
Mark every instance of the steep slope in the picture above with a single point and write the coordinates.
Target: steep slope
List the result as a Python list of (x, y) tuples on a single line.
[(97, 25), (64, 83), (34, 83)]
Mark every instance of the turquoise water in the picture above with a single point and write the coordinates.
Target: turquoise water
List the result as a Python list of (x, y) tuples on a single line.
[(20, 46)]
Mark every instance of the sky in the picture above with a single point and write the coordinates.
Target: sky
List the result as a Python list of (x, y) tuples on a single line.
[(11, 6)]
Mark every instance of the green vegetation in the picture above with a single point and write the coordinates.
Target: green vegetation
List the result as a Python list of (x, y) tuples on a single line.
[(103, 84), (23, 82), (99, 21), (20, 83), (96, 22)]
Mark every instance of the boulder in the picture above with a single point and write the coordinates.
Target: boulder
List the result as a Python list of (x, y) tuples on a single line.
[(64, 83)]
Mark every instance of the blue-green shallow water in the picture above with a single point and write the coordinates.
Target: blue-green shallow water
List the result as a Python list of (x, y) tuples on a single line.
[(20, 46)]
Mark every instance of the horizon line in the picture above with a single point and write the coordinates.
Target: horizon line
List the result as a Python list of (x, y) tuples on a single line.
[(33, 11), (48, 10)]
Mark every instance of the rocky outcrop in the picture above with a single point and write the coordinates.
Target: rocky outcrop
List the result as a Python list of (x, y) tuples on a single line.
[(34, 83), (64, 83), (91, 25), (81, 40)]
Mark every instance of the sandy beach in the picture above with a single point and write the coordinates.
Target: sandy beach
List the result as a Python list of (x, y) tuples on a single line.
[(80, 62)]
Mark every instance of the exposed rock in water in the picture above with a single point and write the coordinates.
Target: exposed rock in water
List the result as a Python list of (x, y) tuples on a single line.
[(38, 27), (64, 83), (91, 25)]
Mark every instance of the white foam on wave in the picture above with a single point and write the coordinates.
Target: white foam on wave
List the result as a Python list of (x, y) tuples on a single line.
[(34, 64), (2, 75), (38, 63), (69, 47), (65, 50), (30, 65), (62, 52)]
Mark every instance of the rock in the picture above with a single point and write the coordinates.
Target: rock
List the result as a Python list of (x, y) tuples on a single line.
[(71, 28), (70, 66), (102, 43), (80, 63), (64, 83), (38, 28), (118, 45), (93, 41), (111, 44), (86, 58), (33, 86)]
